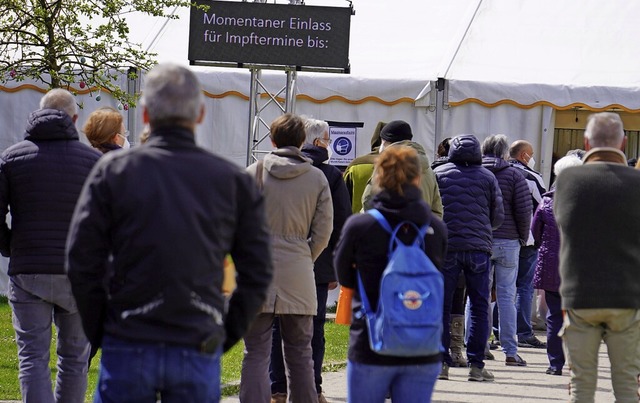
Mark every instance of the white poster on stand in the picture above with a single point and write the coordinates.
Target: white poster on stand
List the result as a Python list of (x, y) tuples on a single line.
[(343, 145)]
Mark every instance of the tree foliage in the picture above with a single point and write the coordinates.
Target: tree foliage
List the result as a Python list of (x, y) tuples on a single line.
[(81, 42)]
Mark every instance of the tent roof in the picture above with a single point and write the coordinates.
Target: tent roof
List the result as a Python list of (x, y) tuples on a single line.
[(559, 53)]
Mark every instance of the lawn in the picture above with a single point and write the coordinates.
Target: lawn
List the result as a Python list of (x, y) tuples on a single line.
[(335, 357)]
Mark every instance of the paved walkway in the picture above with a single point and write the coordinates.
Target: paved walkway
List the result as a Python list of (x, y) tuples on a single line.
[(512, 384)]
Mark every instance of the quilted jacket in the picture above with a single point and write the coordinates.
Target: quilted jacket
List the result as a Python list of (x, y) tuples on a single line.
[(40, 181), (547, 238), (471, 197), (515, 197)]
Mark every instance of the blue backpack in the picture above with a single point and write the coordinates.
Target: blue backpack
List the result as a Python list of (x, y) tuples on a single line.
[(408, 321)]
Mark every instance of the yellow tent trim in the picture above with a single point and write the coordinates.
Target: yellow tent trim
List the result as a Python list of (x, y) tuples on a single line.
[(544, 103), (315, 100), (227, 94)]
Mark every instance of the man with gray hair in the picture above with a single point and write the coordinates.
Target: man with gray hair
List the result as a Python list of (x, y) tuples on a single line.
[(146, 248), (600, 262), (507, 240), (40, 181)]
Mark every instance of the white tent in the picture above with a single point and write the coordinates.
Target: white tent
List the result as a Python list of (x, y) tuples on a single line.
[(519, 62)]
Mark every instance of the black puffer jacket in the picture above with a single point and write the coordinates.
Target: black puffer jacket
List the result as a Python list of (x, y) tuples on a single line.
[(471, 197), (40, 180), (515, 197), (323, 266)]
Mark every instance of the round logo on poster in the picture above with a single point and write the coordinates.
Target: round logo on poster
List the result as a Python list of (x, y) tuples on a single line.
[(342, 146)]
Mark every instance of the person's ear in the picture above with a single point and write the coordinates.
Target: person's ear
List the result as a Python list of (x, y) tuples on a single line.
[(74, 118), (201, 115), (145, 115), (624, 144), (587, 146)]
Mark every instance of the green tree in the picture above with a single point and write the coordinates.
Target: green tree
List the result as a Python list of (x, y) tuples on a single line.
[(81, 42)]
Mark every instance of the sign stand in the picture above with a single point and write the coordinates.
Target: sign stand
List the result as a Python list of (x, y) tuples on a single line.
[(256, 123)]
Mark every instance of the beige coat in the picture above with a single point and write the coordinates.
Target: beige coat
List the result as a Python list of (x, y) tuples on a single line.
[(300, 219)]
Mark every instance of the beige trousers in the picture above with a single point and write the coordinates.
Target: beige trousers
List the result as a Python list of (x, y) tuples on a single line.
[(582, 333)]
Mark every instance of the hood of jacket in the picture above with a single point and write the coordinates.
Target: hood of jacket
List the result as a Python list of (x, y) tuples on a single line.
[(465, 150), (317, 154), (375, 137), (50, 124), (494, 164), (286, 163)]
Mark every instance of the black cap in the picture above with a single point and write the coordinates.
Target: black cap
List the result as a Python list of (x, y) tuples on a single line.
[(396, 130)]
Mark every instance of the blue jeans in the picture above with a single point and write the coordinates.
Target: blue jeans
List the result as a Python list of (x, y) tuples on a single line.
[(276, 367), (132, 371), (475, 265), (36, 300), (524, 292), (407, 383), (505, 263)]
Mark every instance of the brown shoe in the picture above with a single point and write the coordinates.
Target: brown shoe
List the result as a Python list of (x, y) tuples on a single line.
[(279, 398), (321, 398)]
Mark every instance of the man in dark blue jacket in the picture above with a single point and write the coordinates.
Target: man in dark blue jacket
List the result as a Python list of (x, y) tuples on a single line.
[(40, 180), (472, 210), (146, 249), (507, 239)]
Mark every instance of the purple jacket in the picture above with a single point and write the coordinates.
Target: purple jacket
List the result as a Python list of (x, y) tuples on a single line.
[(547, 238)]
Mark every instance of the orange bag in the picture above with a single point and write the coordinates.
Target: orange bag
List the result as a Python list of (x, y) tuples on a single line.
[(343, 310)]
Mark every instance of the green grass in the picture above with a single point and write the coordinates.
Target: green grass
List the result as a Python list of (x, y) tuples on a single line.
[(337, 337)]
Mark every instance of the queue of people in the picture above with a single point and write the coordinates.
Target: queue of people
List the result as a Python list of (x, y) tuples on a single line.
[(123, 250)]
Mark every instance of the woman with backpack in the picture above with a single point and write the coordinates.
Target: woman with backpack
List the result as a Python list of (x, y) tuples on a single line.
[(363, 252)]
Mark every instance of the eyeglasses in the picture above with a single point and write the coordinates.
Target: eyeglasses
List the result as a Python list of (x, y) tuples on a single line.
[(124, 135), (326, 141)]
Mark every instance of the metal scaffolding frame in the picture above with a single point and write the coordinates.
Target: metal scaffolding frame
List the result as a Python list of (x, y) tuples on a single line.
[(257, 124)]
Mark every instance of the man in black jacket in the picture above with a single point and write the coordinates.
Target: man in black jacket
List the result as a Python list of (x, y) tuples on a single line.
[(40, 180), (146, 248)]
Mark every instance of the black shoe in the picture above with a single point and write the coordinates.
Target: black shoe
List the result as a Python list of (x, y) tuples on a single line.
[(532, 342), (494, 345), (553, 371), (516, 361)]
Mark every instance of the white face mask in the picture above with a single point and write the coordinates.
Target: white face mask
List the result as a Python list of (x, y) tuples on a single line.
[(126, 144), (330, 154), (381, 148), (532, 163)]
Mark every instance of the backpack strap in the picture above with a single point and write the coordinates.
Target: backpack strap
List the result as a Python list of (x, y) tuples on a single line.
[(421, 231), (365, 308), (381, 220)]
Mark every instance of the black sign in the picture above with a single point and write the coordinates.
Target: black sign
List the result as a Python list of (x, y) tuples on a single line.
[(270, 34)]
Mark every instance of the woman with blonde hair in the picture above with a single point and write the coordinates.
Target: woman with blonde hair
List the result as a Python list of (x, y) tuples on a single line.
[(362, 250), (105, 130)]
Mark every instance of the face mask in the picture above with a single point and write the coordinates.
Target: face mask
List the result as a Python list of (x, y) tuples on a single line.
[(126, 144), (330, 153), (381, 148), (532, 163)]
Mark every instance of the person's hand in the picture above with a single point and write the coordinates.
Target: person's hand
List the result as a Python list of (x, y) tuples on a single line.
[(333, 285)]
